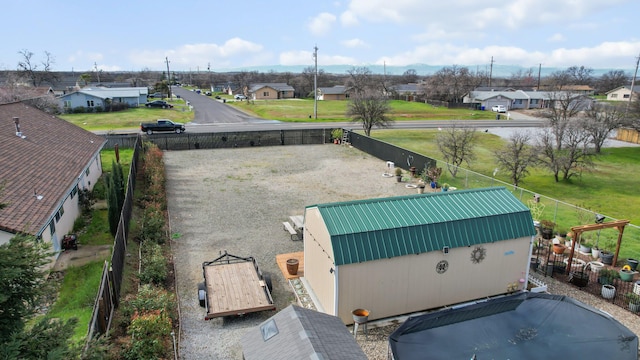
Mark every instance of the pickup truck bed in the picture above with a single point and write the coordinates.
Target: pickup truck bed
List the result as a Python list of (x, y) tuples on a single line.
[(235, 286)]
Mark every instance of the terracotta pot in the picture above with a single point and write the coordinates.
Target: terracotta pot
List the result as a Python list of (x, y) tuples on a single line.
[(558, 248), (292, 266)]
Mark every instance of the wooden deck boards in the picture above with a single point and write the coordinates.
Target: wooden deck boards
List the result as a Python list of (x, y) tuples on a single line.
[(234, 289), (281, 259)]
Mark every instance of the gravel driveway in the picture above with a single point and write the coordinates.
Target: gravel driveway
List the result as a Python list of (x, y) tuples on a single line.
[(237, 199)]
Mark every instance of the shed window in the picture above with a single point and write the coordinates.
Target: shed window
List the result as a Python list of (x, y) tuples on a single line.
[(265, 93), (89, 103)]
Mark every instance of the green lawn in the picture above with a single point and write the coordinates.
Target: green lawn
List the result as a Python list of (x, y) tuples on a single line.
[(128, 119), (609, 188), (299, 110)]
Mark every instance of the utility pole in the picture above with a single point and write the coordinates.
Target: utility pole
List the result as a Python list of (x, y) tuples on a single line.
[(209, 71), (633, 82), (539, 70), (491, 71), (315, 83), (95, 65), (168, 76)]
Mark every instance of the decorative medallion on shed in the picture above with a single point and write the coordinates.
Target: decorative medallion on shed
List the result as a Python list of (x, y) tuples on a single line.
[(442, 266), (478, 254)]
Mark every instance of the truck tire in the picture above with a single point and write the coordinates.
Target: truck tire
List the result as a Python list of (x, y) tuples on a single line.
[(267, 280), (178, 131), (202, 294), (149, 132)]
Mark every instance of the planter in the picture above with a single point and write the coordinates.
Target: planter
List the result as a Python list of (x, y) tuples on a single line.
[(534, 262), (633, 263), (595, 253), (567, 244), (577, 265), (606, 258), (412, 170), (584, 249), (558, 248), (636, 287), (292, 266), (626, 275), (399, 178), (420, 189), (595, 266), (579, 278), (433, 184), (547, 233), (634, 307), (360, 316), (608, 291)]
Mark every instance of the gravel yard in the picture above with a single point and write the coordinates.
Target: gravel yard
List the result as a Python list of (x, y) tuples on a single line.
[(237, 199)]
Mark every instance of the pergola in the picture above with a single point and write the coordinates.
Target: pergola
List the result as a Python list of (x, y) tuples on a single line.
[(578, 230)]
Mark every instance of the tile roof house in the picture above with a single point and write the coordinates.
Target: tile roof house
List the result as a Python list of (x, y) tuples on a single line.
[(299, 333), (44, 160), (271, 91), (97, 97), (411, 253)]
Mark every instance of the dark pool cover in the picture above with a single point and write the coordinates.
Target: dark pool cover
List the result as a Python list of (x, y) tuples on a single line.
[(521, 326)]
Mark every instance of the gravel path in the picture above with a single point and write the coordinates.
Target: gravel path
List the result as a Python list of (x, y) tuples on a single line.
[(237, 199)]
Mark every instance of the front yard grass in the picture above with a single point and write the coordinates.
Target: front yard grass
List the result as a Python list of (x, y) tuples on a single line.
[(127, 119)]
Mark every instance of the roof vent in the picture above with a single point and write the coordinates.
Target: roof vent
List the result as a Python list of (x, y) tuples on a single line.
[(16, 120)]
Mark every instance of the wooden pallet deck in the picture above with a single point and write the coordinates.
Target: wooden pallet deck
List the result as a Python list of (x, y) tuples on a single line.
[(281, 259)]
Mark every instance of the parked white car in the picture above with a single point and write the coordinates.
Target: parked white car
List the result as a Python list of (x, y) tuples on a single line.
[(499, 108), (239, 97)]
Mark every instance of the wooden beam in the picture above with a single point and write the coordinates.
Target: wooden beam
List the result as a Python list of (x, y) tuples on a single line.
[(577, 230)]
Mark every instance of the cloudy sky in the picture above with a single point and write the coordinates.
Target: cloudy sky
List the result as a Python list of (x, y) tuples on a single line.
[(225, 35)]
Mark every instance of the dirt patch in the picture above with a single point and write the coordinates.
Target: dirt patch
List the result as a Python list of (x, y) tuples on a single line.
[(84, 255)]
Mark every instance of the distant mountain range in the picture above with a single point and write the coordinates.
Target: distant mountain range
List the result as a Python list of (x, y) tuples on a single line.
[(421, 69)]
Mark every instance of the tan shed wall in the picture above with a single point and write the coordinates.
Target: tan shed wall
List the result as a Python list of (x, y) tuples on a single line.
[(273, 94), (410, 283), (334, 97), (318, 259)]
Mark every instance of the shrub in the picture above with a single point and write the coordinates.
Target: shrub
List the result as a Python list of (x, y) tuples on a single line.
[(79, 224), (149, 331), (79, 110), (100, 189), (153, 224), (86, 200), (154, 264)]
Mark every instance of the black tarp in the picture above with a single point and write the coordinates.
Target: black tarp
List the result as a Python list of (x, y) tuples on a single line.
[(521, 326)]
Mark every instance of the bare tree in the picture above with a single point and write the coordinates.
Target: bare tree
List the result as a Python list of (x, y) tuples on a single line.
[(563, 107), (456, 145), (360, 80), (409, 76), (517, 156), (600, 120), (632, 118), (369, 107), (451, 83), (569, 160), (30, 70), (580, 75), (611, 80)]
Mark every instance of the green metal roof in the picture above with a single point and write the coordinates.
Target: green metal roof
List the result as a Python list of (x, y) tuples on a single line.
[(372, 229)]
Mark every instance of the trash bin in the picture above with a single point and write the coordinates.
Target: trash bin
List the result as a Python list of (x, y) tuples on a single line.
[(224, 100), (497, 116), (482, 107)]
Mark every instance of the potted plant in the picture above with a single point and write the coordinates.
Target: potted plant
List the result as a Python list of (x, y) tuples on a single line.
[(546, 228), (559, 248), (421, 186), (633, 263), (606, 256), (634, 301), (433, 174), (608, 291), (585, 247), (399, 174), (445, 187), (561, 235), (336, 134), (606, 276), (626, 274), (595, 252)]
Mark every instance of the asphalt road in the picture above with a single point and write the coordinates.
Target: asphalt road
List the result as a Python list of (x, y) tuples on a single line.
[(213, 115)]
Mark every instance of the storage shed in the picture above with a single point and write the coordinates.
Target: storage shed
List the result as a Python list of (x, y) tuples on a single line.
[(405, 254)]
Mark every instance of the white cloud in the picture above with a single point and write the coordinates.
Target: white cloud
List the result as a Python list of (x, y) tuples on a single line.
[(306, 57), (354, 43), (348, 18), (321, 24), (557, 37)]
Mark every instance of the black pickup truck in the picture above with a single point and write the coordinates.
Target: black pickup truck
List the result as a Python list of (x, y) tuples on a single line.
[(162, 125)]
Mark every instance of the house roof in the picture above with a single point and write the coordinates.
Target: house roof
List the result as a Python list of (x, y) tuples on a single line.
[(372, 229), (636, 88), (513, 95), (110, 93), (407, 88), (334, 90), (47, 161), (521, 326), (274, 86), (301, 334)]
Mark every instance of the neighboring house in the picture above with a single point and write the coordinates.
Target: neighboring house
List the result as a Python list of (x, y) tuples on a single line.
[(337, 92), (623, 93), (517, 99), (575, 89), (299, 333), (405, 254), (99, 97), (407, 91), (45, 161), (271, 91)]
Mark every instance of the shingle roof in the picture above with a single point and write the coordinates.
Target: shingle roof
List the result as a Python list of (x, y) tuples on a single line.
[(334, 90), (366, 230), (110, 93), (303, 334), (275, 86), (48, 161)]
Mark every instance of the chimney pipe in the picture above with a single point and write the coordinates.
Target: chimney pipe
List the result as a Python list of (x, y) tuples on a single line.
[(16, 120)]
